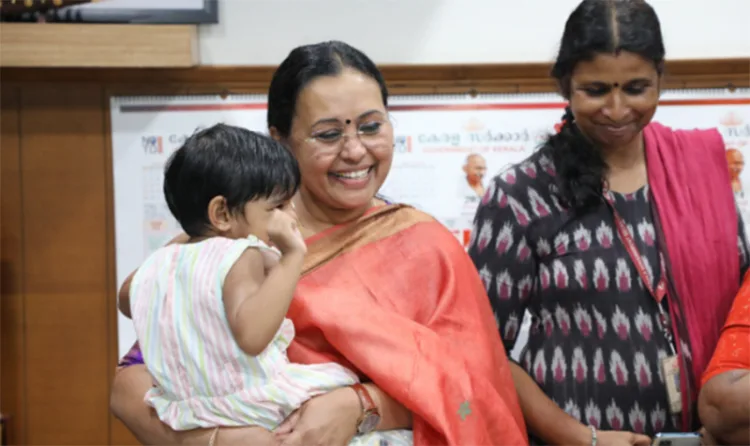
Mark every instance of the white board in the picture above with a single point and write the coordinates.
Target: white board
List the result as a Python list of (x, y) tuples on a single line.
[(434, 136)]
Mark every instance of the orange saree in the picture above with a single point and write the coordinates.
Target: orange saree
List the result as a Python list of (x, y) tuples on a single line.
[(395, 298), (733, 350)]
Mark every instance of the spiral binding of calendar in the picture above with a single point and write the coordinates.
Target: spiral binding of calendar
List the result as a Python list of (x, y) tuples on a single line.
[(713, 93), (254, 98), (185, 99)]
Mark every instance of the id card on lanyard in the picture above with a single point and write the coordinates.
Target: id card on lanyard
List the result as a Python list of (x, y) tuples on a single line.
[(670, 366)]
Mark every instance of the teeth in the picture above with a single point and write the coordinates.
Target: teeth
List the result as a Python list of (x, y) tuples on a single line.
[(354, 175)]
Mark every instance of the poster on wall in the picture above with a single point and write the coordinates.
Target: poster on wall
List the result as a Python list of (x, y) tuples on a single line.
[(735, 128), (447, 149)]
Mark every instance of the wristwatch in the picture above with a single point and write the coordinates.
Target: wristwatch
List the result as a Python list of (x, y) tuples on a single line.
[(370, 414)]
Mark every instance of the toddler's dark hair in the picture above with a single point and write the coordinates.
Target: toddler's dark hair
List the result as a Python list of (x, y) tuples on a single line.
[(235, 163)]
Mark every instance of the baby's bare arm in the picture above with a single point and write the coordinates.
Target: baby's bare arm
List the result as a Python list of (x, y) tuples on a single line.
[(256, 303)]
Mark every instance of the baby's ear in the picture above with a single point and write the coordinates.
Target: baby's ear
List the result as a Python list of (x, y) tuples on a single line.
[(219, 214)]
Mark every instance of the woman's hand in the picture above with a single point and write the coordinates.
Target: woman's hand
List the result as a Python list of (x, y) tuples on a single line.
[(329, 419), (621, 438)]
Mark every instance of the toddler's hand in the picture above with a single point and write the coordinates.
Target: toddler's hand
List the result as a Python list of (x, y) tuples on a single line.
[(284, 233)]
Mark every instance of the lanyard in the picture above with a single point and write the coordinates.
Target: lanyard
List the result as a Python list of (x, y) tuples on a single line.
[(661, 287)]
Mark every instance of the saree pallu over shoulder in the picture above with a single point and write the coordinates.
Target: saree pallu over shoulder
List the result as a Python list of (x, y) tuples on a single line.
[(395, 297), (689, 179), (379, 223)]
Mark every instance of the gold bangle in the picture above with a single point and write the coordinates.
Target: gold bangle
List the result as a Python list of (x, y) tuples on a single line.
[(214, 434)]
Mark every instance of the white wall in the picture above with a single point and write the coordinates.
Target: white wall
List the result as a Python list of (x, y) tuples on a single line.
[(261, 32)]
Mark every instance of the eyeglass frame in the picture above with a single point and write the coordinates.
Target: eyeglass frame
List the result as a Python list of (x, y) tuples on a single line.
[(340, 142)]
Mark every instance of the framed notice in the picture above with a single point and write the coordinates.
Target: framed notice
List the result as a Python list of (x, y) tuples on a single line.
[(167, 12)]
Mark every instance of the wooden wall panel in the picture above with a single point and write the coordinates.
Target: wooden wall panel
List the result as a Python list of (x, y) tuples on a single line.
[(98, 45), (66, 266), (401, 79), (12, 361)]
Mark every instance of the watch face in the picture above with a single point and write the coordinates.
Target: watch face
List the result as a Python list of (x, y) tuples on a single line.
[(369, 423)]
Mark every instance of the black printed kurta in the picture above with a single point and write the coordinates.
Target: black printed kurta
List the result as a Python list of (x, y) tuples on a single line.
[(595, 342)]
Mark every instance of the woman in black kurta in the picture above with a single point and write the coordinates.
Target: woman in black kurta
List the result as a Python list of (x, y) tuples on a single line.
[(595, 344), (545, 240)]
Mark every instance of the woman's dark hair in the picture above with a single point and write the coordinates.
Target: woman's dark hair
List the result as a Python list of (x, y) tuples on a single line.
[(235, 163), (306, 63), (595, 27)]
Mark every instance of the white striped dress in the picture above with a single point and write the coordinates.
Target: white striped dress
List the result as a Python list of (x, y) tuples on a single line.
[(201, 376)]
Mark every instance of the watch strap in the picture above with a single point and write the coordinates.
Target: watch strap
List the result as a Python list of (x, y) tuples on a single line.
[(365, 399)]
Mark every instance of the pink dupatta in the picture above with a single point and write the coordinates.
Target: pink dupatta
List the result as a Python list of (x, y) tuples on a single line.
[(689, 181)]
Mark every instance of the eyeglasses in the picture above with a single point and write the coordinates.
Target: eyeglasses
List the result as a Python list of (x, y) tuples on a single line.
[(372, 134)]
